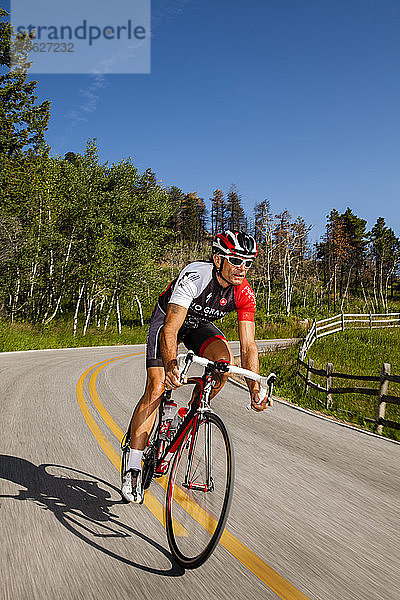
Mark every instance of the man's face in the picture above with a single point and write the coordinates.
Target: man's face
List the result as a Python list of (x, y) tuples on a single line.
[(232, 274)]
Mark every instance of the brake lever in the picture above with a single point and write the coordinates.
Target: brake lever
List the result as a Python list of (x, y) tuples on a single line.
[(264, 391), (188, 362)]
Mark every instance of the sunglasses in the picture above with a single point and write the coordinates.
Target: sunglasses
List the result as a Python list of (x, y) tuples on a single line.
[(236, 261)]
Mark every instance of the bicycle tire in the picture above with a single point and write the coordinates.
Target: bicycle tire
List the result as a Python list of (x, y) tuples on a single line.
[(125, 447), (202, 513)]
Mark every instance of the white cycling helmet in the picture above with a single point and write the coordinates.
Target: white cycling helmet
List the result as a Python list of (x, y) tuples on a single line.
[(235, 243)]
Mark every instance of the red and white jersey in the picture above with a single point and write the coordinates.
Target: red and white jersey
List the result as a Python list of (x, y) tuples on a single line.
[(197, 289)]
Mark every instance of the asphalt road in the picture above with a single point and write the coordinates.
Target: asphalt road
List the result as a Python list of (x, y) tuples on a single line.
[(315, 512)]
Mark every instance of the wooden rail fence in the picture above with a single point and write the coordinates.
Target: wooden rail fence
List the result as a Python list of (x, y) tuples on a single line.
[(306, 369)]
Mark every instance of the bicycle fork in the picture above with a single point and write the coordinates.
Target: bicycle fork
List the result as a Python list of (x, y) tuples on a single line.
[(208, 484)]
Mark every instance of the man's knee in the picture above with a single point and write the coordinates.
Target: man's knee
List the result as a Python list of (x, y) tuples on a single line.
[(219, 350), (154, 384)]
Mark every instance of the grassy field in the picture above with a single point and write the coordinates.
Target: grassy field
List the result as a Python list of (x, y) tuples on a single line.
[(267, 328), (58, 334), (353, 352)]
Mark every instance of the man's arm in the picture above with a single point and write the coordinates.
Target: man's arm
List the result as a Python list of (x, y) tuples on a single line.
[(249, 360), (174, 319)]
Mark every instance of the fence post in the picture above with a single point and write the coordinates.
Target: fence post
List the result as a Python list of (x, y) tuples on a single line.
[(310, 364), (342, 322), (315, 328), (370, 321), (383, 389), (329, 371)]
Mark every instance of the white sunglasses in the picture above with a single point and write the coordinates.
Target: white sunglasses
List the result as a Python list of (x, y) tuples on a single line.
[(236, 261)]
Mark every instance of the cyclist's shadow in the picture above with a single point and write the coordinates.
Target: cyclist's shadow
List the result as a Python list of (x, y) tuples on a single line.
[(83, 506)]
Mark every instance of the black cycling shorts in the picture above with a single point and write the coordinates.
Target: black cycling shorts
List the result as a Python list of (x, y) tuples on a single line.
[(194, 339)]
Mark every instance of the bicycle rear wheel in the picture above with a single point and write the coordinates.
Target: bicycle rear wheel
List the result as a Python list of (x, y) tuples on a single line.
[(199, 491)]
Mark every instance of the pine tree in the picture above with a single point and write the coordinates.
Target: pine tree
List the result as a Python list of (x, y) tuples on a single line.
[(355, 229), (334, 251), (22, 122), (218, 209), (193, 217), (236, 220), (385, 250)]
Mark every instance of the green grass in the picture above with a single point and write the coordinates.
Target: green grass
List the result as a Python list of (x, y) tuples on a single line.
[(58, 334), (353, 352), (267, 328), (359, 351)]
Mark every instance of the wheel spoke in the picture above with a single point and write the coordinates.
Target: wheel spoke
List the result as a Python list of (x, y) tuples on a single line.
[(198, 505)]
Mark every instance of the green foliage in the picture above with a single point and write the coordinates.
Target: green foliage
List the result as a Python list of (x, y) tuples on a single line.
[(188, 220), (22, 121), (235, 217), (218, 212), (68, 224)]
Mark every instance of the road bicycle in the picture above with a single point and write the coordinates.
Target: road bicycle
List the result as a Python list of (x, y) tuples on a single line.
[(200, 484)]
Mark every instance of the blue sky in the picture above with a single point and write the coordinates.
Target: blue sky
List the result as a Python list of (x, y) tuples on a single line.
[(294, 101)]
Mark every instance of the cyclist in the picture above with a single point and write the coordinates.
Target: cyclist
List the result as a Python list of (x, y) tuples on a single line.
[(203, 292)]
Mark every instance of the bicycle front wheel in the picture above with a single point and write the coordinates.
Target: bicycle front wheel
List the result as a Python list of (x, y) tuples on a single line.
[(199, 491)]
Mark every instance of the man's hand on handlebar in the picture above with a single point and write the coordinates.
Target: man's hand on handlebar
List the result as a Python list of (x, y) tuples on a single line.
[(258, 405), (172, 380)]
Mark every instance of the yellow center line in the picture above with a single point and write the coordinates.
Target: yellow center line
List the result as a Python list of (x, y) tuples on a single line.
[(271, 578), (150, 501)]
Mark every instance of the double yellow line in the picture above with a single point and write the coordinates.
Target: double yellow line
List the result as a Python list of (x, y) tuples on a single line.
[(282, 588)]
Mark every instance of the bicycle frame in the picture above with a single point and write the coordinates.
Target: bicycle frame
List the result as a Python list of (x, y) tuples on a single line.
[(161, 452), (198, 407)]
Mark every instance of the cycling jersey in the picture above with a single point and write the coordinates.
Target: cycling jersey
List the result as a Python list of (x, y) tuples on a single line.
[(197, 289)]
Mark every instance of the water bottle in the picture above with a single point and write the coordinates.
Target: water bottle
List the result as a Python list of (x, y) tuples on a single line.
[(168, 414), (177, 420)]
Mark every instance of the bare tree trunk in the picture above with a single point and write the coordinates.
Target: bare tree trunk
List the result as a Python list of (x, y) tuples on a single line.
[(33, 276), (381, 285), (77, 310), (35, 265), (16, 298), (269, 258), (334, 286), (346, 290), (365, 298), (118, 315), (47, 321), (109, 310), (88, 315), (140, 310), (375, 294), (388, 276), (100, 311)]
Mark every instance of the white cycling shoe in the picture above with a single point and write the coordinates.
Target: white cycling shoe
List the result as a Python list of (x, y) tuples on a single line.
[(131, 488)]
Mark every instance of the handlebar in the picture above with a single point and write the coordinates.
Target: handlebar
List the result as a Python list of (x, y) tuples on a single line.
[(266, 383)]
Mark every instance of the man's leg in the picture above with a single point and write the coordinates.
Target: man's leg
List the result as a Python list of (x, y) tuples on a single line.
[(219, 349), (141, 426), (145, 411)]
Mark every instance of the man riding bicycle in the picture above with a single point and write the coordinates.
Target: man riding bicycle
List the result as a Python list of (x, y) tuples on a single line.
[(203, 292)]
